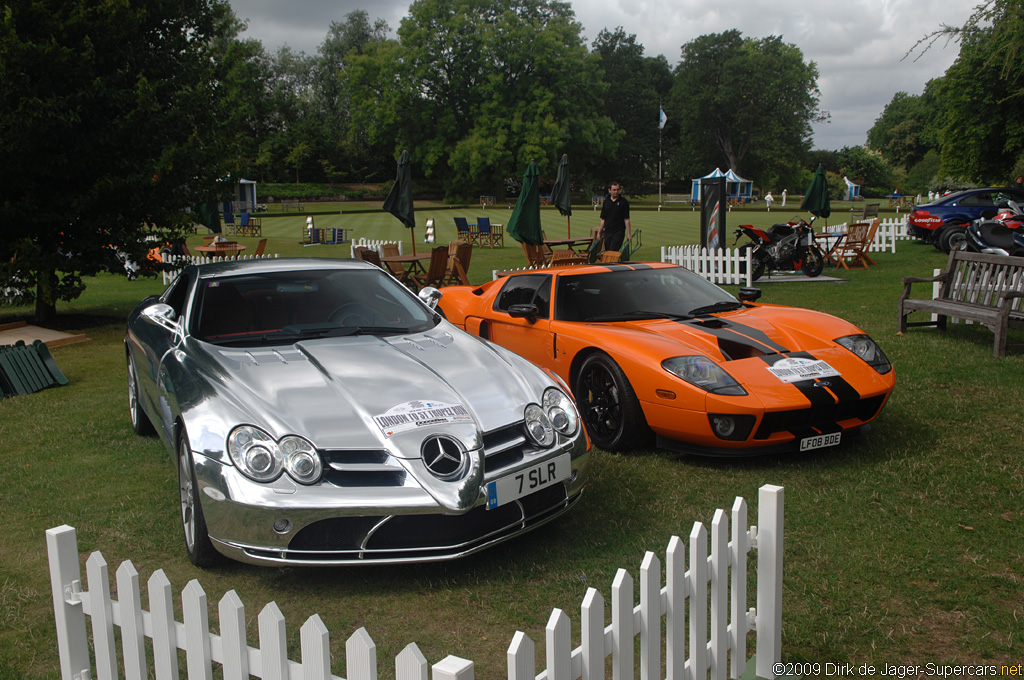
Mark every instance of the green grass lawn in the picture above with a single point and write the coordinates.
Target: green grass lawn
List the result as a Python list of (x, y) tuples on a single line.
[(901, 546)]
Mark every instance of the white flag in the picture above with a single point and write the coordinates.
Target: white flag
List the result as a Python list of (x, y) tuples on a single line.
[(662, 120)]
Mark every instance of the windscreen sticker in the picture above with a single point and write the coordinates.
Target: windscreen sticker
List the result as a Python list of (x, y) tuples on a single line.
[(415, 414), (792, 369)]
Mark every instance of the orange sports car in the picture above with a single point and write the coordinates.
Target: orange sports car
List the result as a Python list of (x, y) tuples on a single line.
[(655, 350)]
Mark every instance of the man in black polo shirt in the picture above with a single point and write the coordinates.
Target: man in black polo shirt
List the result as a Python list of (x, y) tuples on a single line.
[(614, 218)]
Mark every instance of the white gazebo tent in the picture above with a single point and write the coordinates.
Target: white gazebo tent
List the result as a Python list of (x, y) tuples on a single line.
[(852, 190), (735, 186)]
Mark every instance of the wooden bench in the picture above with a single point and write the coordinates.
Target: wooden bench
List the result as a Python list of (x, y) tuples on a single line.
[(988, 289)]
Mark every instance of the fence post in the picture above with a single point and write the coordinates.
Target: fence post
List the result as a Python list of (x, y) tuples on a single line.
[(453, 668), (65, 584), (769, 579)]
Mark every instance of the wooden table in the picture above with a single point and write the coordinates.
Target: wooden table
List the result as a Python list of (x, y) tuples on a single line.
[(412, 265), (831, 241), (570, 243), (215, 250)]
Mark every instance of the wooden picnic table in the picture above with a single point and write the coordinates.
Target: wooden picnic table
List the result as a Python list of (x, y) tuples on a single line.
[(221, 249), (411, 263)]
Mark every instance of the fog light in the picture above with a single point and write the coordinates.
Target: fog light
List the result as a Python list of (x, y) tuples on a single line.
[(724, 426), (282, 526), (731, 427)]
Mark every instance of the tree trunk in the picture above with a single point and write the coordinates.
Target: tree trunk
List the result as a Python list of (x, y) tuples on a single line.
[(46, 297)]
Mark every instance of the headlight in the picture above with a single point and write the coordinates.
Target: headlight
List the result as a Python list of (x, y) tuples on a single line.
[(538, 426), (866, 349), (561, 411), (704, 373), (261, 459)]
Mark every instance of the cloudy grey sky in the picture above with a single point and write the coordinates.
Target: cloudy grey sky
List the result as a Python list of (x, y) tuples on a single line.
[(858, 45)]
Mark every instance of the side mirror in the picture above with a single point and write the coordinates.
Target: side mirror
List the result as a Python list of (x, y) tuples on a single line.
[(749, 294), (160, 313), (528, 312), (430, 296)]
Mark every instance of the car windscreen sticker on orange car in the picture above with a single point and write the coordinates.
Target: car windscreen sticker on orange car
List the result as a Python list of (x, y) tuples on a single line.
[(794, 369), (415, 414)]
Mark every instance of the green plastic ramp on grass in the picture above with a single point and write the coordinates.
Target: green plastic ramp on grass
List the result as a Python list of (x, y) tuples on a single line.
[(28, 368)]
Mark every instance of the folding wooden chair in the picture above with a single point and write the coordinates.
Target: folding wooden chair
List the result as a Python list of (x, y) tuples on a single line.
[(610, 256), (395, 268), (567, 256), (260, 247), (436, 269), (534, 255), (459, 254), (854, 246)]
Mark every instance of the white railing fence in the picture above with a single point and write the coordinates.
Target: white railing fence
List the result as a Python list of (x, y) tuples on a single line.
[(890, 230), (719, 266), (373, 244), (713, 590), (182, 261)]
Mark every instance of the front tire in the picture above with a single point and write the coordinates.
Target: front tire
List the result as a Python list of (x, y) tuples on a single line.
[(608, 405), (193, 524), (140, 421), (813, 263)]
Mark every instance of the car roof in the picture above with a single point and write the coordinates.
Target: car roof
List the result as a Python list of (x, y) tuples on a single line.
[(278, 264), (573, 269)]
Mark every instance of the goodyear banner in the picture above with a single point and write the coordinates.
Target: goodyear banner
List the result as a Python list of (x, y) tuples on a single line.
[(712, 212)]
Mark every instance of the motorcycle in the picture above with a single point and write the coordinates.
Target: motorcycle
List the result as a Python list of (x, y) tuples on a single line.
[(1001, 233), (783, 247)]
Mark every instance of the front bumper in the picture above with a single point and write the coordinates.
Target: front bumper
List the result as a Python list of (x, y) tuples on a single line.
[(373, 515)]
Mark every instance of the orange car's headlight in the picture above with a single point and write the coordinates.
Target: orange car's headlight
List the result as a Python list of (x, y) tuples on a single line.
[(705, 374)]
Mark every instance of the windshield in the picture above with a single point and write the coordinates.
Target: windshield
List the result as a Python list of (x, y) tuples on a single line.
[(271, 308), (628, 294)]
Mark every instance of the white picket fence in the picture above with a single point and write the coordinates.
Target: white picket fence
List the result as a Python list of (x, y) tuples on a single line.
[(182, 261), (713, 590), (890, 230), (732, 266), (721, 266)]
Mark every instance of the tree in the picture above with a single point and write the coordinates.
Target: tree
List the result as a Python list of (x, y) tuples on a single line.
[(110, 124), (744, 103), (475, 89), (636, 87)]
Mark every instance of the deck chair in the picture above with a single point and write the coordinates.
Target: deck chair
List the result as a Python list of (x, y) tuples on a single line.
[(490, 234), (260, 247), (459, 255), (436, 269), (466, 231), (394, 268), (854, 246)]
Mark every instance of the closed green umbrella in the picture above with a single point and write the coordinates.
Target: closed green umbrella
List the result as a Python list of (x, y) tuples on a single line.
[(816, 199), (399, 200), (524, 225), (561, 194)]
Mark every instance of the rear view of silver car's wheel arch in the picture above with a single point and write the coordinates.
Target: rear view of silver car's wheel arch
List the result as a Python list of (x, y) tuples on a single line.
[(197, 541), (140, 421)]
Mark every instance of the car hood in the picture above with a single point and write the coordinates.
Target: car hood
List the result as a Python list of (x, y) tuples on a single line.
[(763, 329), (366, 391)]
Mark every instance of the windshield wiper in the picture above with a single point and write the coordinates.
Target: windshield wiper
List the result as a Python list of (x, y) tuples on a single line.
[(638, 315), (723, 306)]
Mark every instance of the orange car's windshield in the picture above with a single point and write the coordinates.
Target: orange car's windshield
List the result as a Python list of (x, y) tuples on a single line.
[(622, 294)]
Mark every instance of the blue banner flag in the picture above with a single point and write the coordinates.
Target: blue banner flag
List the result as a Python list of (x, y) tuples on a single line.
[(662, 120)]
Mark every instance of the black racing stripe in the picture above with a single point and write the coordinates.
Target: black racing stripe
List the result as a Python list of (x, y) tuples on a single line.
[(844, 391), (738, 333)]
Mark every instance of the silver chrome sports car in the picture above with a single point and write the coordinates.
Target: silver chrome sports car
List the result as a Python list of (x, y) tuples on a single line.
[(320, 413)]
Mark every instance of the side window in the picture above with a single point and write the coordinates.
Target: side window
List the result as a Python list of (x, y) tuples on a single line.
[(177, 294), (982, 199), (524, 290)]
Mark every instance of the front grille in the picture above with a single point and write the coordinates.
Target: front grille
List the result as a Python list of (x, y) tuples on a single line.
[(361, 468), (818, 416), (421, 536)]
